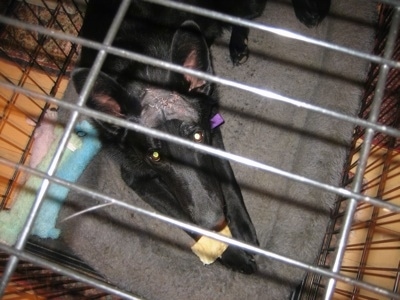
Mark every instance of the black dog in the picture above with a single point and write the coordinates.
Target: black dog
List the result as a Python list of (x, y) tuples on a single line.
[(180, 182)]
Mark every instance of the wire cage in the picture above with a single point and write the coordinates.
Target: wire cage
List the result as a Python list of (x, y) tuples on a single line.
[(38, 63), (360, 255)]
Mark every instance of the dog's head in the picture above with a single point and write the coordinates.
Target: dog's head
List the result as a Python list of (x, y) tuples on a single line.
[(178, 104)]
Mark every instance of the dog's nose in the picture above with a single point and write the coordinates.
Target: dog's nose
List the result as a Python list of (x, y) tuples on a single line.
[(220, 225), (213, 224), (213, 220)]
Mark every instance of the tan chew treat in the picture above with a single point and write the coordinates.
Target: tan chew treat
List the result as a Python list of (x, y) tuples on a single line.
[(208, 249)]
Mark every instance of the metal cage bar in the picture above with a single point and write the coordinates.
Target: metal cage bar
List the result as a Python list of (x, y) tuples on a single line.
[(18, 252)]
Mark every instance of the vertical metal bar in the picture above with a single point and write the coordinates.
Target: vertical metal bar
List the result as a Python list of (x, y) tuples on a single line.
[(20, 244), (397, 279), (358, 178)]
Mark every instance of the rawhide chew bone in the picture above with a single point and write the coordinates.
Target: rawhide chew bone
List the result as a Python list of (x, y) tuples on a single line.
[(208, 249)]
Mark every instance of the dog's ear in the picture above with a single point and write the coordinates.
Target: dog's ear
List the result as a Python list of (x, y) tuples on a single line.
[(109, 97), (189, 49)]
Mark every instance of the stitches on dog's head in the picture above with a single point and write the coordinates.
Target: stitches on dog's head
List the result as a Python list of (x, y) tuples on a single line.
[(135, 97), (158, 104)]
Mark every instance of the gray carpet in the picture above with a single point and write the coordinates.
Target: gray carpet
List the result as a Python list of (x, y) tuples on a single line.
[(154, 260)]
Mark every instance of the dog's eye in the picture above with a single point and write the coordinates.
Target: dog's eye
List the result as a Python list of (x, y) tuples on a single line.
[(155, 156), (198, 136)]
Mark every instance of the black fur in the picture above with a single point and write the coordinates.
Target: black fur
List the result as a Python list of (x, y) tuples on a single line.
[(180, 182), (311, 12)]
